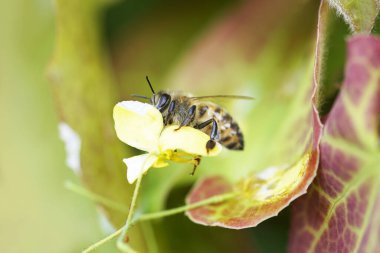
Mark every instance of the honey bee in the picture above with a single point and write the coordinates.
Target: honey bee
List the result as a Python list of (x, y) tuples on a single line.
[(185, 110)]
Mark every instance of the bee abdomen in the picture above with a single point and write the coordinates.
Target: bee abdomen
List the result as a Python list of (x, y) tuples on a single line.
[(231, 137)]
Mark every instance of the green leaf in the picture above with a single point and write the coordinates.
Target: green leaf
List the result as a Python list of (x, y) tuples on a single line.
[(347, 188), (85, 94), (331, 51), (360, 15), (282, 157), (250, 61)]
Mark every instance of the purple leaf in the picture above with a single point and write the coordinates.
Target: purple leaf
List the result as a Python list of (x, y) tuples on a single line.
[(339, 213)]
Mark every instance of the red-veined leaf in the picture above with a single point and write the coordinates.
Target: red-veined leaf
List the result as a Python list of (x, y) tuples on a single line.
[(340, 213)]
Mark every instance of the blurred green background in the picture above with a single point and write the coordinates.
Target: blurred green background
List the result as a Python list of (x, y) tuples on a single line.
[(37, 213), (251, 47)]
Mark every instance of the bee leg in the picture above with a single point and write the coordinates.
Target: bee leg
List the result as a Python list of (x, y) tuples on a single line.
[(204, 124), (213, 135), (189, 117), (197, 161), (182, 157), (170, 113)]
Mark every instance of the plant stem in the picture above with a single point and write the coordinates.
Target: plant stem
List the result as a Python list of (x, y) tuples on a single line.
[(133, 203), (122, 230), (150, 216), (211, 200), (104, 240), (120, 242)]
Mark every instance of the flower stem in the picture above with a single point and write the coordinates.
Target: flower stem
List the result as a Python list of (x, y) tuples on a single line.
[(104, 240), (150, 216), (124, 229), (208, 201), (120, 241)]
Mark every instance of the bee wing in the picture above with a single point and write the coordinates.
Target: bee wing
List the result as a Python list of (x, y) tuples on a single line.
[(222, 97)]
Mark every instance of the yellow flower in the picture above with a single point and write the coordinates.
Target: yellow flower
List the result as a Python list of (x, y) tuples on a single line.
[(140, 125)]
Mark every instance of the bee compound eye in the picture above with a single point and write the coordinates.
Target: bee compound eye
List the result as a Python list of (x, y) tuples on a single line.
[(163, 102)]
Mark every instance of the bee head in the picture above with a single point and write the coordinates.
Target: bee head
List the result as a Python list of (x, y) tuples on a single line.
[(160, 100)]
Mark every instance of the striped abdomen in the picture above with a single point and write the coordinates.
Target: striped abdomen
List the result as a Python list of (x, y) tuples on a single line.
[(230, 135)]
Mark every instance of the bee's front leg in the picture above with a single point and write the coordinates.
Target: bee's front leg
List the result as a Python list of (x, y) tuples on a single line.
[(189, 117), (169, 116)]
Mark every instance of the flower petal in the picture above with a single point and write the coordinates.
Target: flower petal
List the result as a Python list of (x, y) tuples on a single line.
[(138, 124), (138, 165), (187, 139)]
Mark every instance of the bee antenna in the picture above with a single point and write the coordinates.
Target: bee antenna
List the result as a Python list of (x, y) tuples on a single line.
[(139, 96), (150, 85)]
